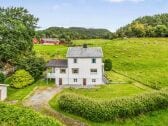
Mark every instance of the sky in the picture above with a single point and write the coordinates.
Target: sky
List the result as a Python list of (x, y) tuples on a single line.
[(109, 14)]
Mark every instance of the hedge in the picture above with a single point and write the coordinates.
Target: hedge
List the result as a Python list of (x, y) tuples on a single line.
[(16, 116), (105, 110)]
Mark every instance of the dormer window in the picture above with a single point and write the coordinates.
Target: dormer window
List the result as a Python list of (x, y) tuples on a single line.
[(93, 60), (75, 60)]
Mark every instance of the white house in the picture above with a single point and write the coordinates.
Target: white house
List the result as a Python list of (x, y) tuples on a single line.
[(3, 92), (83, 66)]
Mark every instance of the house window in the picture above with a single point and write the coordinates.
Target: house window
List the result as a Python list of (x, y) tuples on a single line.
[(93, 80), (62, 71), (75, 80), (93, 71), (75, 70), (93, 60), (75, 60)]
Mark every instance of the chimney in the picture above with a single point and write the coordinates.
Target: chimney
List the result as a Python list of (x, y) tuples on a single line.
[(84, 45)]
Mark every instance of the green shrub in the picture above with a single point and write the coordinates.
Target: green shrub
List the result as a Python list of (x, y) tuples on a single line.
[(2, 77), (20, 79), (15, 116), (34, 65), (124, 107), (107, 64), (8, 80)]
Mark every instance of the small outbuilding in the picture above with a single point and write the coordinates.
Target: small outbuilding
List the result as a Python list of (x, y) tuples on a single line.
[(3, 92)]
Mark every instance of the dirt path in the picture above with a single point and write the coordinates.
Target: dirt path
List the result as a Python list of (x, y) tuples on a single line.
[(39, 101)]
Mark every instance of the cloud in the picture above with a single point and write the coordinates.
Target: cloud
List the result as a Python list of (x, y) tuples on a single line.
[(119, 1)]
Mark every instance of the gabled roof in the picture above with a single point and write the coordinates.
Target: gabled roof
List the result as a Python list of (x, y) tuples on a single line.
[(80, 52), (60, 63)]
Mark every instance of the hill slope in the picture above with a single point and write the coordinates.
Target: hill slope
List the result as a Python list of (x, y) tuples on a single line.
[(147, 26), (74, 33)]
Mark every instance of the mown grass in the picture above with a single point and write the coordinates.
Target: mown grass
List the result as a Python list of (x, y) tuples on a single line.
[(156, 118), (107, 91)]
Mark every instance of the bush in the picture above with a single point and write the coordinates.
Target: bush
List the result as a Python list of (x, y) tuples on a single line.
[(34, 65), (20, 79), (15, 116), (2, 78), (107, 64), (124, 107)]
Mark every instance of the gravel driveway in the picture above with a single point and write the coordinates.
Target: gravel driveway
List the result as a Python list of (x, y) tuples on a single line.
[(41, 97), (39, 101)]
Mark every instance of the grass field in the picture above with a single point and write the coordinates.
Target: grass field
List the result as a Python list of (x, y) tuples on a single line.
[(144, 59), (49, 51), (157, 118)]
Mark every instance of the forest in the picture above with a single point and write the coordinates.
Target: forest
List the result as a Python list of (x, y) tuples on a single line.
[(73, 33), (147, 26)]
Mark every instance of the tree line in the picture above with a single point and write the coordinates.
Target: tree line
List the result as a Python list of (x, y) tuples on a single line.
[(73, 33), (147, 26)]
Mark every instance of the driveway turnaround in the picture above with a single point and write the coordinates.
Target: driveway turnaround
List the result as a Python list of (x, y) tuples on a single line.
[(39, 101)]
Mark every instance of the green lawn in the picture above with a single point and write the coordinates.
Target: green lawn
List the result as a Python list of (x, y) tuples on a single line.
[(107, 91), (157, 118)]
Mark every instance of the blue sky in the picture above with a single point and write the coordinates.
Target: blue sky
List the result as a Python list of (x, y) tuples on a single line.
[(110, 14)]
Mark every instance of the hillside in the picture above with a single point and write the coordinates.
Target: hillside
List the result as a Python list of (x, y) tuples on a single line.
[(145, 59), (147, 26), (74, 33)]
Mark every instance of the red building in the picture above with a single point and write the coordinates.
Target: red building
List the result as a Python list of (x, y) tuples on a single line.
[(51, 41)]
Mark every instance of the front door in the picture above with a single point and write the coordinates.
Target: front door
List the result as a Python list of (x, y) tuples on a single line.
[(84, 82), (60, 81)]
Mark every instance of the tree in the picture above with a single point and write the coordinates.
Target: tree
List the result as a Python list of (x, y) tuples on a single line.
[(160, 30), (107, 64), (20, 79), (34, 65), (138, 29), (2, 77), (17, 28)]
